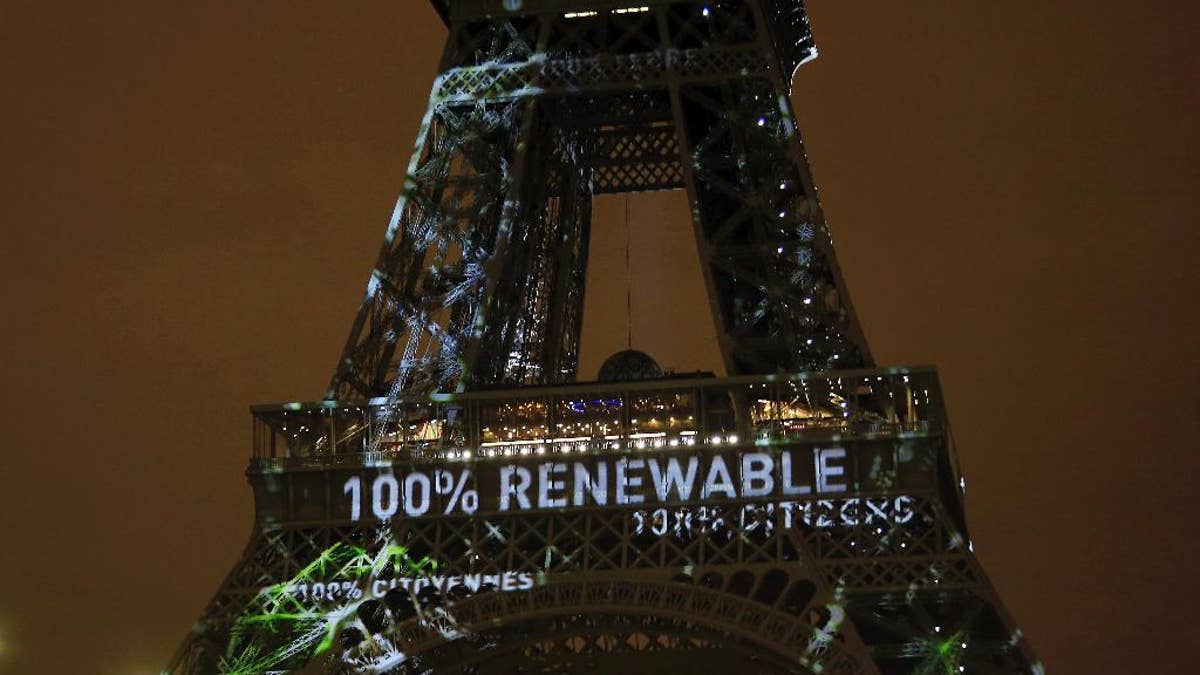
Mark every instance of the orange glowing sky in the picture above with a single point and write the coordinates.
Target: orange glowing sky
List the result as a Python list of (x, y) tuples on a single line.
[(194, 194)]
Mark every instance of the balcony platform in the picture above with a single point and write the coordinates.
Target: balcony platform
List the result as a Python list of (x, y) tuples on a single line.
[(600, 417)]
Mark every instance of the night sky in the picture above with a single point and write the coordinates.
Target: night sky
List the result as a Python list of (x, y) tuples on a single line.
[(194, 194)]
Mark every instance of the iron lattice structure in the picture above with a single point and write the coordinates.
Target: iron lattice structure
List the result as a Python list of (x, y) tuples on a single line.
[(459, 503)]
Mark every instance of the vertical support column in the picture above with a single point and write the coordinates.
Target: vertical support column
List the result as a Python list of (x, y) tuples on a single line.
[(772, 277), (781, 82), (703, 250), (571, 236), (513, 213)]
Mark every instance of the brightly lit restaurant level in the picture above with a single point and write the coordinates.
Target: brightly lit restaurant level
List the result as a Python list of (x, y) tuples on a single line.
[(669, 412)]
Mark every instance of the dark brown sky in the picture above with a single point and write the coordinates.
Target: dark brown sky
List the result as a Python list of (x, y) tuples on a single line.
[(194, 193)]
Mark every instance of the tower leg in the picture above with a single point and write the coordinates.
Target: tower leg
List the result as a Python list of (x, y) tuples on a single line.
[(776, 292)]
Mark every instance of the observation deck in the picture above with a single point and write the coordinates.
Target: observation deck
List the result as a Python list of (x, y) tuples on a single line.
[(599, 418)]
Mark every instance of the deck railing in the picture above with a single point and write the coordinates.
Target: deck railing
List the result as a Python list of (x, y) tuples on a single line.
[(600, 417)]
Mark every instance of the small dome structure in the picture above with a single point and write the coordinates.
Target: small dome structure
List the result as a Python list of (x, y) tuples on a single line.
[(629, 364)]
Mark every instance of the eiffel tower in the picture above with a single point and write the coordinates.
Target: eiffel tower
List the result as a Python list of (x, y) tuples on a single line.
[(463, 501)]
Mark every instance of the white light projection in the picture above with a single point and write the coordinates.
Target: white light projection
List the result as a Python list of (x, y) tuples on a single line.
[(624, 481)]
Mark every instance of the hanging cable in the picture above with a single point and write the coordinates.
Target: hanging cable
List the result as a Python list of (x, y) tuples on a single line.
[(628, 276)]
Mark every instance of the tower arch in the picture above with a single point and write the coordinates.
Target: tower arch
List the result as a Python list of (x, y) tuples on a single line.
[(577, 624)]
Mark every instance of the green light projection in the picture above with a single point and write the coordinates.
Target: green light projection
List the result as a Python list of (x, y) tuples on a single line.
[(292, 625), (943, 656)]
